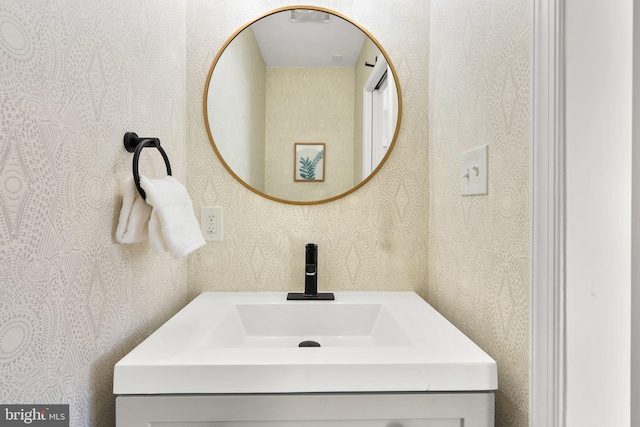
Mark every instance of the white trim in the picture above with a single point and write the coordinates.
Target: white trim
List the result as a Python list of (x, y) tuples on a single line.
[(547, 281), (367, 108), (635, 227), (376, 74)]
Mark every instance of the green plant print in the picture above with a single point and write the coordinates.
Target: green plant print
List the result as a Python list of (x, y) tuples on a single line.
[(308, 167)]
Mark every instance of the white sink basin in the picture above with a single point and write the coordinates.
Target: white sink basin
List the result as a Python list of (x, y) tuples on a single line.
[(247, 342), (287, 325)]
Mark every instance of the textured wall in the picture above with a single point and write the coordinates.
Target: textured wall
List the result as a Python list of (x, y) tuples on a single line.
[(374, 239), (74, 76), (309, 105), (240, 79), (479, 245)]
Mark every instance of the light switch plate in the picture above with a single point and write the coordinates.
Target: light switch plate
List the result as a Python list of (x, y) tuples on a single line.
[(474, 171)]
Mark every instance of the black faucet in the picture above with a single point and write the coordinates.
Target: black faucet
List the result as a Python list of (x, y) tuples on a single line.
[(311, 278), (311, 270)]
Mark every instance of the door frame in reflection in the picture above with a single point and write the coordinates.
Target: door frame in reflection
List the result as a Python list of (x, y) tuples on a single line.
[(378, 116)]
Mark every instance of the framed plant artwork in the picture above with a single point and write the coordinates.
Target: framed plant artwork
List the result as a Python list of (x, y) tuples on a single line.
[(308, 162)]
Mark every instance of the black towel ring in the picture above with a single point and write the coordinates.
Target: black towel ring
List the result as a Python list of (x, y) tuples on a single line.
[(134, 144)]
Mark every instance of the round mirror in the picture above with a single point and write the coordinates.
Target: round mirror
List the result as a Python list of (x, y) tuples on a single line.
[(302, 105)]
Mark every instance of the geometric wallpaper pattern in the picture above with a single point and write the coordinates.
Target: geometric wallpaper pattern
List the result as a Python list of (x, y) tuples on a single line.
[(309, 104), (375, 238), (408, 228), (479, 245), (74, 77), (240, 79)]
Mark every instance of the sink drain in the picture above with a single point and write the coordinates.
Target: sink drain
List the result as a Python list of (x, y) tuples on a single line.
[(309, 344)]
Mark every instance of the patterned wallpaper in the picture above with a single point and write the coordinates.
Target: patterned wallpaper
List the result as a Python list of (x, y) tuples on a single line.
[(240, 79), (408, 228), (309, 105), (376, 238), (479, 245), (74, 77)]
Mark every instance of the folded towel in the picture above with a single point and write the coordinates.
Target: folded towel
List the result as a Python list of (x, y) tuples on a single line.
[(173, 225), (134, 216), (156, 238)]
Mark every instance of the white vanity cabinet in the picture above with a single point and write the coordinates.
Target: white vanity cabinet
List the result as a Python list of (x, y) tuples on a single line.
[(308, 410), (232, 359)]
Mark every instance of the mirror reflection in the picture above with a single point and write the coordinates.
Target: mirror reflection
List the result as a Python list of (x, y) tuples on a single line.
[(302, 106)]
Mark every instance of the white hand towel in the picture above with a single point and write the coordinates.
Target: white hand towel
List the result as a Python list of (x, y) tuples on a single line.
[(156, 239), (134, 216), (173, 225)]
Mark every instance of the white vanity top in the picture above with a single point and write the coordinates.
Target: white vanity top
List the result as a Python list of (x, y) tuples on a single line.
[(247, 342)]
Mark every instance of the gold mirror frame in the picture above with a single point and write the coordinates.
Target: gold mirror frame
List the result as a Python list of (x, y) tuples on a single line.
[(312, 202)]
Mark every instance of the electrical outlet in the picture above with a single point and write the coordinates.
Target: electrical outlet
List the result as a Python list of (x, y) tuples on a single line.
[(211, 222)]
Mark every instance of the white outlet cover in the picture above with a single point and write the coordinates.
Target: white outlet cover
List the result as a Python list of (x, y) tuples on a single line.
[(474, 172), (211, 222)]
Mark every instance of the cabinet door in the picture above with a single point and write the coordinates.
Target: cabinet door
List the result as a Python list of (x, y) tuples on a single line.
[(308, 410), (334, 423)]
